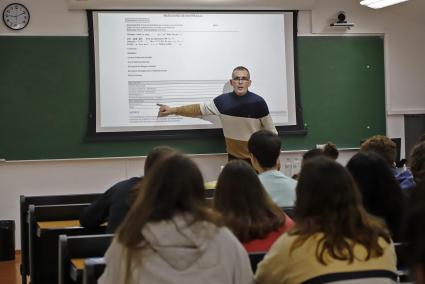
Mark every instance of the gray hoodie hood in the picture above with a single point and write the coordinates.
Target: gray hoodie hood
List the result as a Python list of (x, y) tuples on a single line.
[(179, 241)]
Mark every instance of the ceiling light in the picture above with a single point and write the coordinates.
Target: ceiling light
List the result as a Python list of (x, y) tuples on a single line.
[(377, 4)]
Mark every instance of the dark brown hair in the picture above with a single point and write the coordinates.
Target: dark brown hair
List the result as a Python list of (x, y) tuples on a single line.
[(382, 195), (329, 202), (265, 146), (417, 162), (330, 150), (244, 204), (241, 68), (174, 185), (156, 155)]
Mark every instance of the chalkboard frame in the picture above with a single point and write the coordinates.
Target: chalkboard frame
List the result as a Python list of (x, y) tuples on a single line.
[(93, 135)]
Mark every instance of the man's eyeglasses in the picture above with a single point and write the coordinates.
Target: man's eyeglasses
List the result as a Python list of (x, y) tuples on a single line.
[(239, 79)]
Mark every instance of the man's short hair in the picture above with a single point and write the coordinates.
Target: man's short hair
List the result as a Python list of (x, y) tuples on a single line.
[(265, 146), (382, 145), (241, 68)]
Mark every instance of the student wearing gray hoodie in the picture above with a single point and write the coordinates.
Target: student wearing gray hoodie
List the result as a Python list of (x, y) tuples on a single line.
[(171, 236)]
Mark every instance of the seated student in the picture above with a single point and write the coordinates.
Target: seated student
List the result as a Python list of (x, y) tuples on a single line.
[(417, 162), (113, 205), (264, 147), (171, 236), (310, 154), (334, 238), (247, 209), (385, 147), (381, 193), (331, 151), (414, 233)]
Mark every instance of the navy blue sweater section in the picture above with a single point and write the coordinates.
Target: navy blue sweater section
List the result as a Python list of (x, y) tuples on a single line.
[(249, 105)]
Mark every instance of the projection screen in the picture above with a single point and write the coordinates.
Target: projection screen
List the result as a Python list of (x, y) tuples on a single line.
[(145, 58)]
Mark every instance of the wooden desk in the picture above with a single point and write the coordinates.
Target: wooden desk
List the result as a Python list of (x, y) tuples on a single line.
[(78, 265), (54, 225), (58, 225)]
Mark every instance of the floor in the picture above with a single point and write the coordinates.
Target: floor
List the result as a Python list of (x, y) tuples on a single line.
[(9, 270)]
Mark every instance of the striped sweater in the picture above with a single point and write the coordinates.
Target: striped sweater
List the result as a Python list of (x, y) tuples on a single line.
[(240, 117)]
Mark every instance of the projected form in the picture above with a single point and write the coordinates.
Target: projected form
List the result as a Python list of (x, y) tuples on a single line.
[(179, 58)]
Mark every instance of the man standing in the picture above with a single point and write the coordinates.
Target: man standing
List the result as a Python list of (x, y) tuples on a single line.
[(264, 147), (241, 113)]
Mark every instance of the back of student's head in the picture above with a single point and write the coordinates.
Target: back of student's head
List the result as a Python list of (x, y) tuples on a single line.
[(382, 145), (417, 162), (414, 232), (324, 189), (173, 186), (330, 150), (382, 195), (244, 204), (156, 155), (312, 153), (329, 202), (265, 146)]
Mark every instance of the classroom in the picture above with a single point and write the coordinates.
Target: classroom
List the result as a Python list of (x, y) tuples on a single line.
[(44, 154)]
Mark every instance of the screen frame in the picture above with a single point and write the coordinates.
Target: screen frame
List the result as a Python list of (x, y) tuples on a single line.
[(93, 135)]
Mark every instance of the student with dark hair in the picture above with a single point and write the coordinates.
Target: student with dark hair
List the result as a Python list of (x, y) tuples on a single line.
[(386, 148), (170, 235), (310, 154), (264, 147), (334, 238), (414, 233), (113, 205), (331, 151), (247, 209), (381, 193), (417, 162)]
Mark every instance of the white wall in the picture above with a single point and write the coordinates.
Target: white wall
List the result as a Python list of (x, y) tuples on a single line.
[(49, 177), (402, 26)]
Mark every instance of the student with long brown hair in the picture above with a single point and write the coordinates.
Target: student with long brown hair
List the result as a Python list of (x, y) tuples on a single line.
[(171, 236), (334, 238), (113, 205), (382, 195), (246, 208)]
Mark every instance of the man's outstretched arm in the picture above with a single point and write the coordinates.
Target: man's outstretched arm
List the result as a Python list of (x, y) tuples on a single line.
[(187, 110)]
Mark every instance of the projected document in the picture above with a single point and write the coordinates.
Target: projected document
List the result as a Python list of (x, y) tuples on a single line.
[(175, 58)]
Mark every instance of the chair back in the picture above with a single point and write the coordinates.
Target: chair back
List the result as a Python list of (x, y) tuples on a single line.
[(255, 258), (93, 269), (85, 246), (26, 201)]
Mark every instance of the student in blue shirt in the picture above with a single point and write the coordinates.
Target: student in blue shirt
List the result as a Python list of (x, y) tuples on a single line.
[(264, 147)]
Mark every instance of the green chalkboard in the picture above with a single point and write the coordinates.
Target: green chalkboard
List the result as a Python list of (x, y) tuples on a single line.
[(44, 98)]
